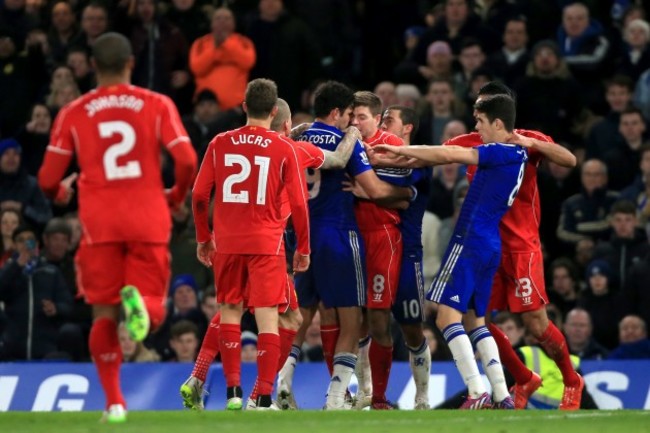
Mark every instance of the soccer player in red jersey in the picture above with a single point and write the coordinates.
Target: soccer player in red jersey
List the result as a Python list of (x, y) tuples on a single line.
[(519, 283), (309, 156), (383, 242), (251, 167), (117, 132)]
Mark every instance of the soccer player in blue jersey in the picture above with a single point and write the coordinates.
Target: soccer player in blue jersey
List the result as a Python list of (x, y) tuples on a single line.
[(337, 275), (462, 285), (409, 304)]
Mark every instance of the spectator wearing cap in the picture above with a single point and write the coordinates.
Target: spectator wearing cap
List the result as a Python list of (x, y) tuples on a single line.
[(509, 63), (548, 98), (19, 190), (221, 61), (183, 305), (601, 301), (633, 339), (37, 302), (438, 66), (248, 347), (627, 244)]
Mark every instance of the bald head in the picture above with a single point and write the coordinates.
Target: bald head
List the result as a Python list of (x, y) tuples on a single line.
[(284, 114), (111, 53)]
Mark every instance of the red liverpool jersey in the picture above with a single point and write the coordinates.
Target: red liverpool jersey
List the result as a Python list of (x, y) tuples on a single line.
[(251, 168), (309, 156), (117, 133), (520, 225), (371, 216)]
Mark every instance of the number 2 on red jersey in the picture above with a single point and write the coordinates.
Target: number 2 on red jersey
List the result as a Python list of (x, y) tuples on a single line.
[(113, 171)]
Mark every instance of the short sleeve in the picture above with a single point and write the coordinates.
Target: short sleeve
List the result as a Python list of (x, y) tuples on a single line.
[(494, 154), (359, 162)]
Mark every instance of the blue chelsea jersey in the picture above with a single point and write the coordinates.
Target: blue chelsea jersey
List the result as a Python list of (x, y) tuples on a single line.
[(496, 183), (328, 204)]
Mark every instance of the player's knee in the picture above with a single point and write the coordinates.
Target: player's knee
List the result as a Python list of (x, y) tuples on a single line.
[(536, 322), (292, 320)]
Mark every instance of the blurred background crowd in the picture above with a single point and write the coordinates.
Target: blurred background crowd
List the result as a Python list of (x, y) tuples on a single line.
[(581, 71)]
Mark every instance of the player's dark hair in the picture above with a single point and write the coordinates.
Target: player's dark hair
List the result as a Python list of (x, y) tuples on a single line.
[(623, 206), (496, 88), (261, 97), (408, 115), (111, 52), (331, 95), (283, 114), (500, 107), (183, 327), (364, 98)]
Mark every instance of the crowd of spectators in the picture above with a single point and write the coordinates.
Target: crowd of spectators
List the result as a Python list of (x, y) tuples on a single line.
[(581, 71)]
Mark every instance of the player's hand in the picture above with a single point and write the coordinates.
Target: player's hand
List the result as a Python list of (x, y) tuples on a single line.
[(64, 197), (300, 262), (357, 190), (205, 252), (521, 140), (354, 130), (297, 131), (49, 307)]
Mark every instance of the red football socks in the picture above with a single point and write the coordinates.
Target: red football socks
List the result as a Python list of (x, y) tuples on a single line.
[(329, 335), (555, 346), (286, 342), (381, 360), (509, 358), (209, 349), (230, 346), (107, 356), (268, 353)]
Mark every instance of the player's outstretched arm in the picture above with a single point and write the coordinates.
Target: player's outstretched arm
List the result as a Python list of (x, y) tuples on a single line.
[(553, 151), (391, 160), (339, 158), (433, 155), (382, 192)]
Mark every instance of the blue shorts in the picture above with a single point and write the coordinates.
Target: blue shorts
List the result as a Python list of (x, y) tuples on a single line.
[(464, 280), (337, 273), (409, 304)]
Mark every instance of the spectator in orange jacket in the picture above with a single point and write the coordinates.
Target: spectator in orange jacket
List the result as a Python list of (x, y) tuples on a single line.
[(222, 60)]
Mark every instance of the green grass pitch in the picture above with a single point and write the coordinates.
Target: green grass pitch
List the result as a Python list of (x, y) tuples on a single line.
[(623, 421)]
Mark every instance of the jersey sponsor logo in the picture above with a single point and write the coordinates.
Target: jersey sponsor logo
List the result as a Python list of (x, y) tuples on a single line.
[(257, 140), (100, 103), (319, 139)]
